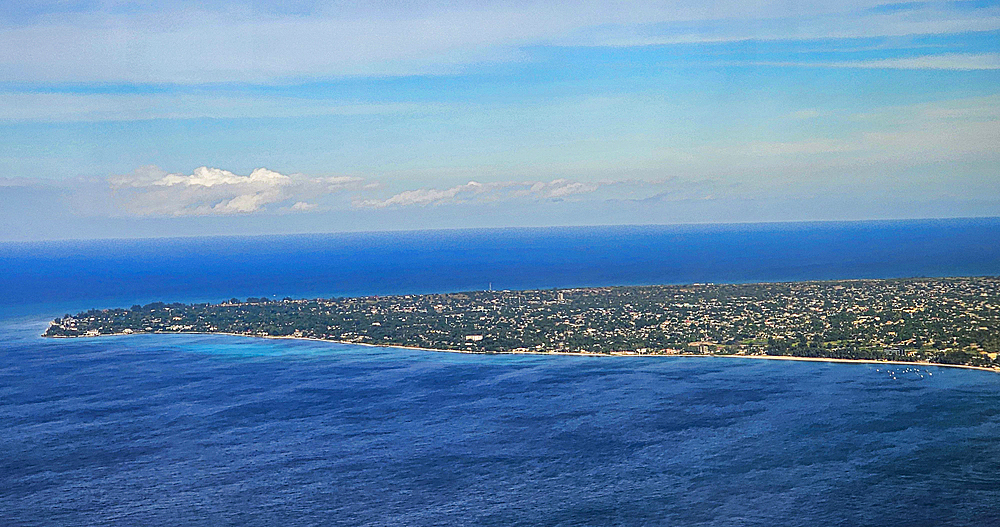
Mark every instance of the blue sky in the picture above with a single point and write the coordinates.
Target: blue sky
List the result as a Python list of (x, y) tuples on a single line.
[(186, 118)]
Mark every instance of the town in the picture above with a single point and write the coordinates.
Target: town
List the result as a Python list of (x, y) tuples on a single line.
[(940, 320)]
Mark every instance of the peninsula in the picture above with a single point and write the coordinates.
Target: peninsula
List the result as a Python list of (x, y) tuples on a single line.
[(941, 320)]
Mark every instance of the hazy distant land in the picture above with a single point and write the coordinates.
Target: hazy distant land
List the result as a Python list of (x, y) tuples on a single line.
[(954, 321)]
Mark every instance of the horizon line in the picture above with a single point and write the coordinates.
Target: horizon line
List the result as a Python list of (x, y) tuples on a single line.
[(508, 228)]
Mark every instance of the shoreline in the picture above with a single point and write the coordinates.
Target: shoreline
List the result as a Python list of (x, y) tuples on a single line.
[(547, 353)]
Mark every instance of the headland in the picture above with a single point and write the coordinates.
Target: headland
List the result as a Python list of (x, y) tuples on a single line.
[(918, 321)]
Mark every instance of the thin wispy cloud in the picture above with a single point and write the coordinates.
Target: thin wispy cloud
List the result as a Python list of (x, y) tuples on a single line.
[(220, 44), (947, 61), (944, 61), (803, 23), (95, 107), (483, 192)]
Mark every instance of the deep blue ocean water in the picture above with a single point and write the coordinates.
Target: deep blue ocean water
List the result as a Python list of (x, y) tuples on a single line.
[(215, 430)]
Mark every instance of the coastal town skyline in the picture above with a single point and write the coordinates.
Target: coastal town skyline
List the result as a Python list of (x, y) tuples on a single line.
[(139, 119)]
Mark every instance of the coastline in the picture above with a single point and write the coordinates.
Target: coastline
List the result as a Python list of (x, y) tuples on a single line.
[(547, 353)]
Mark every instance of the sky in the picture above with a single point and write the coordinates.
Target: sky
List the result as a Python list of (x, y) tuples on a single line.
[(142, 119)]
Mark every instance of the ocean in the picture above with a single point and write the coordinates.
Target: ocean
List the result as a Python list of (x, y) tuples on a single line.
[(217, 430)]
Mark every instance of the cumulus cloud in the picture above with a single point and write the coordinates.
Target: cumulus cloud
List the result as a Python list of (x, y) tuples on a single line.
[(210, 177), (150, 191)]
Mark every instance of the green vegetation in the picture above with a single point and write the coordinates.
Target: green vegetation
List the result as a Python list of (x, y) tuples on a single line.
[(947, 321)]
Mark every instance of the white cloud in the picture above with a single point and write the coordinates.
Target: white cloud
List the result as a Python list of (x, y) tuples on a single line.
[(242, 204), (210, 177), (150, 191), (215, 191)]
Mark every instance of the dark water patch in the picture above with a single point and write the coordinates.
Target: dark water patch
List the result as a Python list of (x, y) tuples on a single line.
[(208, 430), (55, 277)]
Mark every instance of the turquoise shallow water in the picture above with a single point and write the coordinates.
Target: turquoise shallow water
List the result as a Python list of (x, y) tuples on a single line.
[(216, 430)]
